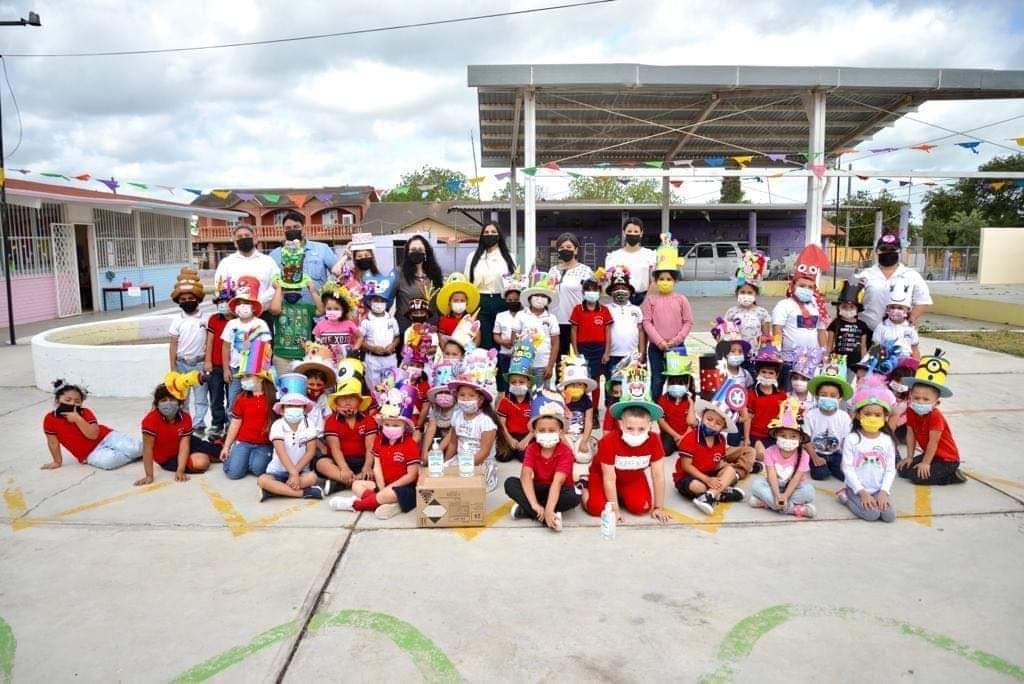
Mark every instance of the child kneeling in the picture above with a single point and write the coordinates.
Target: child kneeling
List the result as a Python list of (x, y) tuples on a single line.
[(784, 487)]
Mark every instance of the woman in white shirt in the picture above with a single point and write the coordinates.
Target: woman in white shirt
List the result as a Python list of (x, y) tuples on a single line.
[(569, 274), (484, 268), (639, 260)]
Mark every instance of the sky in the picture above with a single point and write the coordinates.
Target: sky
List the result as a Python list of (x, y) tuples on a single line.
[(362, 110)]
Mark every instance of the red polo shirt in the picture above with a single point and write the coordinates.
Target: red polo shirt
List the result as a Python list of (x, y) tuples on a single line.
[(396, 458), (675, 412), (216, 325), (252, 410), (630, 462), (763, 407), (609, 424), (706, 458), (352, 437), (446, 324), (166, 434), (545, 469), (923, 426), (516, 415), (591, 326), (70, 437)]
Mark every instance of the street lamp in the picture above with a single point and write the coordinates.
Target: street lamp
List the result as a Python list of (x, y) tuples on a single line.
[(33, 20)]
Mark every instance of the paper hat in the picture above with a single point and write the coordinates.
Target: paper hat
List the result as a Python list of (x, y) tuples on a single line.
[(318, 357), (339, 291), (617, 373), (811, 263), (422, 338), (350, 369), (465, 332), (521, 362), (832, 372), (457, 282), (932, 371), (677, 363), (668, 259), (636, 391), (541, 283), (291, 388), (768, 355), (852, 293), (881, 358), (573, 369), (348, 388), (728, 400), (247, 290), (514, 282), (804, 360), (187, 282), (178, 384), (478, 370), (751, 269), (889, 241), (225, 288), (712, 375), (361, 242), (728, 331), (382, 286), (548, 404), (617, 276), (872, 389), (396, 397), (899, 293), (443, 372), (257, 359), (420, 303), (292, 275), (789, 417)]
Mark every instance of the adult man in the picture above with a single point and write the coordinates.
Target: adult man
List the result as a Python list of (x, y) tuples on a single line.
[(639, 260), (879, 280), (249, 261), (319, 261)]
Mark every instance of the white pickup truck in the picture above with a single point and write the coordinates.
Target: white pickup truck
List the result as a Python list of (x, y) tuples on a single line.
[(712, 260)]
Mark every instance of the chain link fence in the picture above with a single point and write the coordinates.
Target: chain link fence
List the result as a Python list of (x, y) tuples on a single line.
[(934, 263)]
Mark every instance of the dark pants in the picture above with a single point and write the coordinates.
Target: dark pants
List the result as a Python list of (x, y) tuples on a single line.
[(490, 306), (509, 454), (567, 498), (942, 472), (218, 395), (656, 365), (833, 466), (564, 342), (503, 363), (668, 444)]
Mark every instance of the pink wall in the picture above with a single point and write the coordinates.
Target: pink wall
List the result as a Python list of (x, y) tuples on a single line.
[(35, 299)]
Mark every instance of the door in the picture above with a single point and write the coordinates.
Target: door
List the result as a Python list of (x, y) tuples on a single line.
[(65, 270), (704, 268), (85, 268)]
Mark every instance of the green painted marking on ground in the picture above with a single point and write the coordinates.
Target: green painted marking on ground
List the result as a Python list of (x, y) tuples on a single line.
[(741, 639), (233, 656), (8, 645)]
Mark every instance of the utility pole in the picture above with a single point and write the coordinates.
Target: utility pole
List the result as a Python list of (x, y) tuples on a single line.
[(472, 143)]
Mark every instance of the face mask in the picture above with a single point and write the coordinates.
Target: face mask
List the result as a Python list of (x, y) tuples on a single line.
[(488, 241), (518, 390), (896, 315), (787, 444), (872, 423), (393, 432), (244, 311), (458, 307), (591, 297), (514, 307), (735, 360), (803, 294), (417, 257), (293, 414), (222, 308), (799, 385), (767, 380), (292, 297), (378, 307), (566, 254), (704, 431), (633, 240), (828, 404), (620, 296), (921, 409), (574, 393), (634, 440), (746, 299), (849, 313), (168, 408), (665, 287), (244, 245), (678, 391), (333, 314), (293, 234), (888, 258), (189, 307), (249, 384), (445, 401), (897, 387), (547, 439), (471, 406), (364, 264), (314, 393), (538, 302), (347, 411)]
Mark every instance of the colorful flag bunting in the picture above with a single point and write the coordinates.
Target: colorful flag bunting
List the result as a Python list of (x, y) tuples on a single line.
[(810, 154), (997, 185), (676, 183), (23, 172), (818, 170), (777, 174), (55, 175), (972, 146), (655, 164), (298, 199), (777, 157), (886, 180), (863, 177), (194, 191), (221, 194), (140, 186), (477, 180), (553, 166), (601, 164), (714, 160), (743, 160), (246, 196), (924, 147), (504, 175), (83, 177), (426, 188), (623, 180), (110, 183), (453, 185), (930, 183), (3, 177), (682, 162), (1019, 141), (903, 183), (880, 150), (168, 188), (271, 197), (324, 197), (530, 170), (846, 150), (573, 174)]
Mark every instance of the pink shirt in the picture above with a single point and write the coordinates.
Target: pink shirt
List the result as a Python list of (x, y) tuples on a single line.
[(667, 318), (338, 335), (785, 467)]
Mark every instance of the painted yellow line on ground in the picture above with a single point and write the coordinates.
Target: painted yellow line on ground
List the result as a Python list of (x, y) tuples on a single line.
[(922, 514), (16, 507), (708, 524), (994, 480), (471, 533), (237, 523)]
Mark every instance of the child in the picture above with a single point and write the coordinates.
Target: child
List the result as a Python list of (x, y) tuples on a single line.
[(463, 339), (804, 361), (895, 327), (613, 392), (293, 316), (167, 437), (869, 454), (708, 470), (436, 421), (294, 437), (590, 335), (456, 299), (514, 408), (627, 329), (349, 434), (541, 326), (336, 330), (734, 350), (507, 324), (247, 445), (667, 315), (188, 340), (416, 366), (214, 361), (576, 388), (675, 402), (241, 332), (847, 334), (474, 423), (547, 467), (74, 427), (905, 368), (927, 429), (318, 367), (784, 488), (800, 320), (763, 400), (380, 339), (754, 322), (396, 456), (825, 425), (618, 473)]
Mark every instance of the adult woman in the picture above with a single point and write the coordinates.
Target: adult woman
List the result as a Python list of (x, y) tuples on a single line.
[(880, 279), (639, 260), (484, 268), (420, 272), (362, 276), (569, 274)]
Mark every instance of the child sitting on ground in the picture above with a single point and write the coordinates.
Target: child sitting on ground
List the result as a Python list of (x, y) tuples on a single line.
[(294, 438), (474, 424), (167, 437), (336, 330), (825, 425), (247, 447), (436, 421), (754, 323), (763, 400), (349, 434), (546, 475), (905, 368), (318, 367), (869, 454), (675, 401), (577, 388), (784, 487), (613, 392), (514, 408), (74, 427), (541, 326), (938, 462), (735, 354)]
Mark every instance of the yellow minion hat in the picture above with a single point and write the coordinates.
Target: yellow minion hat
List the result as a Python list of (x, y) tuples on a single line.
[(932, 371), (178, 384)]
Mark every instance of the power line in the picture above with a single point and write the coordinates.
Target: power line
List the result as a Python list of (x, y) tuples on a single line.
[(318, 36), (17, 109)]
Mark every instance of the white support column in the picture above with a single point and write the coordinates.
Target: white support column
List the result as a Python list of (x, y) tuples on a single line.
[(815, 103), (513, 215), (752, 230), (666, 199), (529, 182)]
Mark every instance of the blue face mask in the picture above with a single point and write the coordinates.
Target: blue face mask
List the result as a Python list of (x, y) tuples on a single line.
[(735, 360), (804, 294), (921, 409), (704, 431), (828, 404), (677, 391)]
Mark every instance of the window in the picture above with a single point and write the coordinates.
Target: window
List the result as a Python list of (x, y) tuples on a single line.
[(726, 250), (30, 236), (115, 239), (279, 216), (165, 239), (705, 251), (347, 219), (329, 217)]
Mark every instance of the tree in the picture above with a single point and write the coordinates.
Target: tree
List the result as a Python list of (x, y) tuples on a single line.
[(504, 194), (732, 191), (442, 185), (1002, 205), (862, 221), (601, 189), (643, 192)]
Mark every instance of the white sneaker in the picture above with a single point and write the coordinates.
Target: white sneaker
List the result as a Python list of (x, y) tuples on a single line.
[(705, 504), (342, 503), (513, 511), (387, 511), (558, 522)]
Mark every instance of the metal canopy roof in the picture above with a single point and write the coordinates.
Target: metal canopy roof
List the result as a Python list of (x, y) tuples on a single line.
[(632, 108)]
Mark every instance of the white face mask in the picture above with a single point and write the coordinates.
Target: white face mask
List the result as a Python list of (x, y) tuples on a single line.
[(459, 307), (634, 440), (799, 385), (243, 311), (538, 301), (547, 439), (248, 384), (848, 313), (378, 307), (746, 299), (896, 315), (591, 296), (222, 308), (293, 414), (767, 380), (518, 390), (787, 443)]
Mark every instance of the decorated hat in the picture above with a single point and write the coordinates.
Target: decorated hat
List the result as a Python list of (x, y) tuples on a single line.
[(541, 283), (873, 390), (636, 391), (382, 286), (712, 374), (339, 291), (889, 241), (832, 372), (350, 369), (396, 397), (677, 363), (548, 404), (318, 357), (443, 372), (293, 277), (789, 417), (804, 360), (420, 302), (514, 282), (348, 388), (881, 358), (751, 269), (573, 369), (729, 331), (225, 288), (291, 388), (668, 259), (457, 282), (728, 400), (851, 293), (899, 293), (932, 371), (187, 282), (361, 242), (617, 276), (768, 355), (811, 263), (465, 332), (257, 359), (178, 384), (617, 374), (478, 370), (247, 290), (521, 362)]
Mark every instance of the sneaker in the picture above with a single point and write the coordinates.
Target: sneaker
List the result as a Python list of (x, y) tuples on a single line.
[(757, 503), (200, 432), (558, 522), (313, 492), (841, 495), (804, 510), (387, 511), (215, 432), (959, 477), (327, 486), (757, 467), (581, 485), (705, 503), (520, 513), (514, 512), (342, 503), (732, 495), (264, 494)]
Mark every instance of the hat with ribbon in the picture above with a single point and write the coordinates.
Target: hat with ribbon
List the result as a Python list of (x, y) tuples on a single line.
[(932, 371), (617, 277), (728, 332), (341, 293), (443, 372), (636, 391), (573, 370), (727, 401), (421, 340), (291, 388), (396, 397), (187, 282), (521, 362), (456, 283), (804, 360), (768, 355), (832, 372), (789, 418), (548, 404), (751, 269), (178, 384), (257, 359), (318, 357), (479, 370), (247, 291)]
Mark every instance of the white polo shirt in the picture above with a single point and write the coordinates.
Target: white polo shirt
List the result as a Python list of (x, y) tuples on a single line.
[(877, 289), (639, 264)]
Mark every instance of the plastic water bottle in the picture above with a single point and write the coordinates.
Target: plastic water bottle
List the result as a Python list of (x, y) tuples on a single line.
[(608, 522), (466, 465), (435, 459)]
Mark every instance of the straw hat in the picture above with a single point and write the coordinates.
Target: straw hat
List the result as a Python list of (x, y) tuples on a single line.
[(457, 282)]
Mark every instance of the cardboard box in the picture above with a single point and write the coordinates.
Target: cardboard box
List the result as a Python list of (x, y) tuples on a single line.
[(450, 500)]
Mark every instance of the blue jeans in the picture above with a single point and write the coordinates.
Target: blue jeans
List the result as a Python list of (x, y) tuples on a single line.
[(197, 394), (656, 364), (247, 458), (234, 389), (217, 390), (833, 466), (803, 494), (117, 449)]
